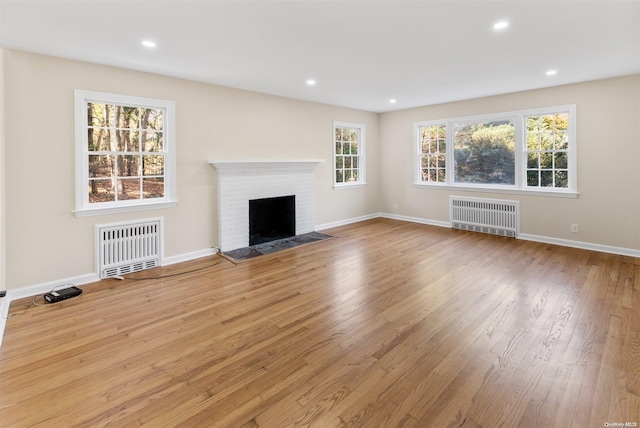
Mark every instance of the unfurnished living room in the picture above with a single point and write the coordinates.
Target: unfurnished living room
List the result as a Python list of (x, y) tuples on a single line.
[(319, 213)]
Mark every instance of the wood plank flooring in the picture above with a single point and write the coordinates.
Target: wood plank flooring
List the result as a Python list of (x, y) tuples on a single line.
[(388, 324)]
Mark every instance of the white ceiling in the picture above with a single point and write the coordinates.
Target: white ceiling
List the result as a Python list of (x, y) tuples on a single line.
[(361, 53)]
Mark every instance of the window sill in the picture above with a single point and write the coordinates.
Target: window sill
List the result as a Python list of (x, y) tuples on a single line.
[(348, 186), (124, 209), (553, 194)]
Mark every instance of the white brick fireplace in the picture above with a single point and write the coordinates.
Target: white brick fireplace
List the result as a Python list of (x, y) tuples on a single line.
[(241, 181)]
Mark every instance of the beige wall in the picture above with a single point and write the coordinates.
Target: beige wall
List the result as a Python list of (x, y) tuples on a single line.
[(607, 209), (46, 242)]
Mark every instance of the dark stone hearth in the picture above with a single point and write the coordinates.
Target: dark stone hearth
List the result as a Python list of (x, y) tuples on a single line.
[(275, 246)]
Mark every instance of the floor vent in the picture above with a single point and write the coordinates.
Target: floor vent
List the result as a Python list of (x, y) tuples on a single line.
[(123, 248), (495, 216)]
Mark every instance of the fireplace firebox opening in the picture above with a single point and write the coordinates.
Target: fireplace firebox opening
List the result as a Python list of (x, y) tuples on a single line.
[(271, 219)]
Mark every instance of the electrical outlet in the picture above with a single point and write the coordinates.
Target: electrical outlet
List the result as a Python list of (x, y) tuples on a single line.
[(574, 228), (395, 207)]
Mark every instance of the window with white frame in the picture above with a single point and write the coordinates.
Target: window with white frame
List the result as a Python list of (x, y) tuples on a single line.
[(433, 153), (548, 150), (530, 151), (348, 154), (125, 154)]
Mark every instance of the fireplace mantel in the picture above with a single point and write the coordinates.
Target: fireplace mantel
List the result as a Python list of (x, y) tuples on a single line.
[(267, 161), (246, 165), (242, 180)]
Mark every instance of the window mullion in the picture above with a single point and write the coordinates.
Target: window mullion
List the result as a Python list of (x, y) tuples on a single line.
[(520, 152), (417, 154), (138, 153), (450, 161)]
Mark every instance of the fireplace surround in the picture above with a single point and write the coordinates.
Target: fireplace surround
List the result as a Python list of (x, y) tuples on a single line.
[(242, 181)]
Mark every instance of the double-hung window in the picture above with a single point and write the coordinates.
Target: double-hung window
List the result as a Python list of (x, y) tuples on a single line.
[(523, 151), (348, 154), (548, 150), (125, 153)]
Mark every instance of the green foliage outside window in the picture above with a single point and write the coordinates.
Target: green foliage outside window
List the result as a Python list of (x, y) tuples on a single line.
[(547, 150), (485, 152)]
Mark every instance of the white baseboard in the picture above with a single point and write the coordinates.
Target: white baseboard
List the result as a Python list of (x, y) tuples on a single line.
[(32, 290), (189, 256), (416, 220), (383, 215), (347, 221), (581, 245)]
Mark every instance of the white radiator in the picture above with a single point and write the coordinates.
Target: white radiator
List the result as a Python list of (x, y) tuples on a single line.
[(495, 216), (123, 248)]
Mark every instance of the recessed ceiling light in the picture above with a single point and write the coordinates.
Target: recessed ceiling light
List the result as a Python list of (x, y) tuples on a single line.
[(551, 72), (311, 82), (392, 101), (149, 44), (500, 25)]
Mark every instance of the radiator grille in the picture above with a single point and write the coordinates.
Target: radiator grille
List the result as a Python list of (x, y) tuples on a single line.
[(128, 247), (498, 217)]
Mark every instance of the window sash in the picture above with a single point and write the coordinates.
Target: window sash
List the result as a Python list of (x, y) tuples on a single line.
[(547, 151), (348, 154)]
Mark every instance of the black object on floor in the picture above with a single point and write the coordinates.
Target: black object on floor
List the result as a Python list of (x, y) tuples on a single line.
[(63, 294)]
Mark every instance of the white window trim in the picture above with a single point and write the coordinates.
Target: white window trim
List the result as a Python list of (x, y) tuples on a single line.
[(362, 176), (520, 186), (82, 206)]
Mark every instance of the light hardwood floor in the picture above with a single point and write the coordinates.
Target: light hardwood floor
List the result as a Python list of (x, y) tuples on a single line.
[(388, 324)]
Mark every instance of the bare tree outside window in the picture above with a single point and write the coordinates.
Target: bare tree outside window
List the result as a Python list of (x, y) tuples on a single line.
[(126, 152)]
